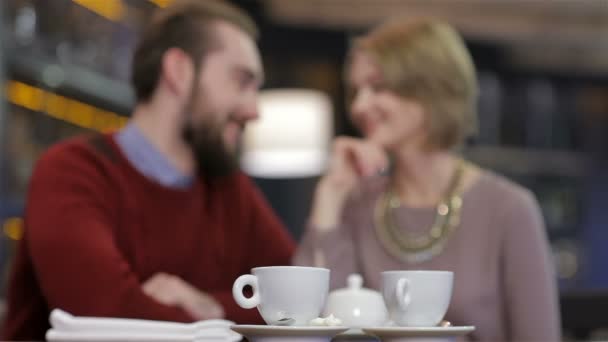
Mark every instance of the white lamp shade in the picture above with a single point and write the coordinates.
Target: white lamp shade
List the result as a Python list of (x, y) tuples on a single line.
[(292, 136)]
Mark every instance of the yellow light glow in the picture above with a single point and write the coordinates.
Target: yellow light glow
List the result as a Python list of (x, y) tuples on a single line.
[(25, 95), (110, 9), (63, 108), (161, 3), (13, 228)]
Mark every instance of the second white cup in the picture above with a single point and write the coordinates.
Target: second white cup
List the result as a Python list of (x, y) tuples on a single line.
[(417, 298)]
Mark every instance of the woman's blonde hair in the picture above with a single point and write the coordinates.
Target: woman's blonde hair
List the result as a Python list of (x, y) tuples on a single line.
[(427, 60)]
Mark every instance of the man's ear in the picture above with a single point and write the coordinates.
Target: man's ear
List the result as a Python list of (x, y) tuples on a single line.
[(178, 73)]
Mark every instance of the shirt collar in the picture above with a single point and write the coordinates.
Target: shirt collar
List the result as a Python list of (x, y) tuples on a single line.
[(148, 160)]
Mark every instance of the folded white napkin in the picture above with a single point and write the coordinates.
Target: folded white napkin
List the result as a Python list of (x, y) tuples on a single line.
[(66, 327)]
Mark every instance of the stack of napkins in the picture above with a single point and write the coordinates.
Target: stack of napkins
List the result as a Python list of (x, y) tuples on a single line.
[(65, 327)]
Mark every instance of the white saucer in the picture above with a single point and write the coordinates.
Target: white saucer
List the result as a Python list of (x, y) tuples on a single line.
[(262, 333), (353, 332), (394, 334), (354, 335)]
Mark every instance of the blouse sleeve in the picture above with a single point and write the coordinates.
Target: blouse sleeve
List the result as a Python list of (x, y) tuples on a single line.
[(529, 279), (335, 249)]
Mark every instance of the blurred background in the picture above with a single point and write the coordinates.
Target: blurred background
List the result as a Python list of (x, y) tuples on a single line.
[(543, 72)]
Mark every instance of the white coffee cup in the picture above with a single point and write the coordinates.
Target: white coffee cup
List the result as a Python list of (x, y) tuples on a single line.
[(417, 298), (284, 295)]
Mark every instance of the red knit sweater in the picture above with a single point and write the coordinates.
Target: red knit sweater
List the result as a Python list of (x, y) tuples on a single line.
[(96, 229)]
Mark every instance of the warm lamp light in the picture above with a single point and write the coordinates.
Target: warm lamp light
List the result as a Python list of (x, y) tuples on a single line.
[(292, 136)]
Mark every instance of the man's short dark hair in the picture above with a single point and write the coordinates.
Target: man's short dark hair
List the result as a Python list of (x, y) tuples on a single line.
[(185, 24)]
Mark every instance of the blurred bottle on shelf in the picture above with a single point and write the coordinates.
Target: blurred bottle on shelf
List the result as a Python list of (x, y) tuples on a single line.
[(489, 109), (25, 24)]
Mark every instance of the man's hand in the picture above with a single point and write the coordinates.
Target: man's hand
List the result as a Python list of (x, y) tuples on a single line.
[(171, 290)]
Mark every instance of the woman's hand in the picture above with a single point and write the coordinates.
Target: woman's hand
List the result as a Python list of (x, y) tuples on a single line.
[(352, 160)]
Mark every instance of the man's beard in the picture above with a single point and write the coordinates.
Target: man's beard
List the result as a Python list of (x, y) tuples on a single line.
[(212, 155)]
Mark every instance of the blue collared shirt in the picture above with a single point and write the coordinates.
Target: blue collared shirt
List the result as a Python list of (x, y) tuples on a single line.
[(148, 160)]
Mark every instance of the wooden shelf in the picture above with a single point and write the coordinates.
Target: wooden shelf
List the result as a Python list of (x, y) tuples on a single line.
[(73, 81), (528, 161)]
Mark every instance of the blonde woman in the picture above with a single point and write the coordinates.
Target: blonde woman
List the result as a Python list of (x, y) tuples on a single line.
[(414, 92)]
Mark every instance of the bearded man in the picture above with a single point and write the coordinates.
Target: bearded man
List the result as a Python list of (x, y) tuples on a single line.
[(154, 221)]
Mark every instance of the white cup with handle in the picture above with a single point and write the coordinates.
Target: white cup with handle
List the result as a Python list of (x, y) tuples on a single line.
[(417, 298), (284, 295)]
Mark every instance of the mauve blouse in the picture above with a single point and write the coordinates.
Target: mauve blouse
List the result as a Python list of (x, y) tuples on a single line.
[(504, 282)]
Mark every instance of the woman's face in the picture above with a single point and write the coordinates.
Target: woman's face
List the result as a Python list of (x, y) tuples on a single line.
[(383, 116)]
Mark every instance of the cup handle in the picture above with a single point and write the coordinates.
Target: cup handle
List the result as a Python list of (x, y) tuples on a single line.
[(237, 291), (402, 291)]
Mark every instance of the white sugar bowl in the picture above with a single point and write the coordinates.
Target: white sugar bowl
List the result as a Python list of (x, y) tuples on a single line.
[(356, 306)]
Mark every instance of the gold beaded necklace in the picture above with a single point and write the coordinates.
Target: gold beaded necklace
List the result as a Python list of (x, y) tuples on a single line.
[(415, 249)]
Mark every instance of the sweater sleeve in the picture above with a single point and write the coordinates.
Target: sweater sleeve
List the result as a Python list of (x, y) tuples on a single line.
[(70, 225), (268, 244), (335, 249), (529, 279), (271, 244)]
